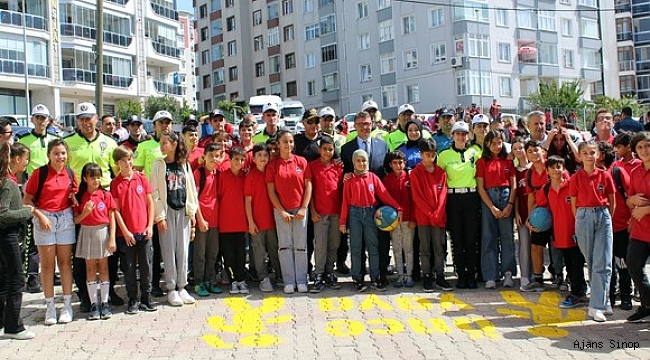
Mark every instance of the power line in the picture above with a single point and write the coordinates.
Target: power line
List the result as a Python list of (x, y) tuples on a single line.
[(463, 6)]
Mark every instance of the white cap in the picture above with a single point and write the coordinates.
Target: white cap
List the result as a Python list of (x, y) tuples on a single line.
[(369, 105), (162, 114), (270, 107), (40, 109), (326, 111), (405, 107), (480, 119), (460, 126), (85, 110)]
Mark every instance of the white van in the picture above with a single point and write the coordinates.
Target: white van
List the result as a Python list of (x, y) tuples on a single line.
[(292, 112), (256, 103)]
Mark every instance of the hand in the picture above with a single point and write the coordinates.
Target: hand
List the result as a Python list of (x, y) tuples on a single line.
[(286, 217), (252, 229), (347, 176), (639, 212), (149, 232), (300, 214), (31, 208), (129, 239), (551, 134), (162, 226), (337, 162), (88, 208), (399, 216), (496, 212), (637, 200), (202, 225), (343, 229), (44, 223), (412, 224), (531, 227), (507, 211), (111, 246), (193, 221), (518, 220), (315, 217), (73, 199)]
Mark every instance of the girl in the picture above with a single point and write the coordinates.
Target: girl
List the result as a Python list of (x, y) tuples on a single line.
[(18, 161), (521, 209), (288, 181), (495, 181), (223, 139), (411, 148), (12, 214), (560, 143), (95, 213), (175, 203)]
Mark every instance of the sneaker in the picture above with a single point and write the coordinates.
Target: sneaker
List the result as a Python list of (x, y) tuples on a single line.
[(66, 315), (115, 299), (608, 310), (408, 282), (524, 282), (94, 313), (186, 297), (342, 269), (266, 286), (427, 283), (146, 305), (33, 285), (490, 284), (133, 308), (174, 299), (234, 287), (443, 284), (332, 281), (50, 314), (378, 285), (507, 281), (302, 288), (319, 284), (23, 335), (461, 282), (360, 286), (626, 305), (639, 315), (200, 290), (243, 288), (212, 289), (471, 283), (572, 301), (289, 289), (533, 286), (597, 315), (106, 312), (400, 282)]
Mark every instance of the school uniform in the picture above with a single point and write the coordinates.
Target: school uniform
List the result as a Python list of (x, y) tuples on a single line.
[(232, 223), (639, 248), (621, 237), (206, 243), (399, 187), (94, 230)]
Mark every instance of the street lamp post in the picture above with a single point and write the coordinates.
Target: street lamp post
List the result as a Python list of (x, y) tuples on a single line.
[(24, 20), (480, 72)]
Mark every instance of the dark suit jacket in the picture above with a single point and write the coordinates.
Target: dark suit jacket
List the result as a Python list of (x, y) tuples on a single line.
[(378, 150)]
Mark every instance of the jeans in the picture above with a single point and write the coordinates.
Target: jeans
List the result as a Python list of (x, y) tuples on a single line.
[(362, 228), (595, 239), (402, 238), (11, 280), (497, 232), (432, 241), (138, 256), (174, 245), (327, 239), (637, 254), (292, 248)]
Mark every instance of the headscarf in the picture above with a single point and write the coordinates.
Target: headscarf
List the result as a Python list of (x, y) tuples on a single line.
[(357, 154), (409, 142)]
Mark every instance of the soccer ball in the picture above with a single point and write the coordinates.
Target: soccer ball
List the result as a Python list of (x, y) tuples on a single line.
[(541, 218), (386, 218)]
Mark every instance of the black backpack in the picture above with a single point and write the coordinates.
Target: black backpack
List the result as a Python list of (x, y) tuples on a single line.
[(618, 181), (42, 176)]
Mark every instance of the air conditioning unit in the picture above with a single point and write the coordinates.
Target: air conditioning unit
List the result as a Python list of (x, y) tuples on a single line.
[(456, 61)]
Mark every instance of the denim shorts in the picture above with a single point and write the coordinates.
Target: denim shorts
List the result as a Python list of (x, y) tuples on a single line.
[(62, 229)]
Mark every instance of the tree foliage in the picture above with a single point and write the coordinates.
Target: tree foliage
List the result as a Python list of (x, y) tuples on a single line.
[(153, 104), (127, 108), (561, 99), (614, 105)]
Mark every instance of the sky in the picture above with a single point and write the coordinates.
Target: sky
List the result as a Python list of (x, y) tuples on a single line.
[(185, 5)]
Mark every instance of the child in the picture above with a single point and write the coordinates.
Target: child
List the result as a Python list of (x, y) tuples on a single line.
[(232, 221), (496, 184), (521, 209), (554, 195), (261, 225), (175, 205), (272, 143), (624, 152), (95, 213), (288, 181), (325, 208), (246, 132), (206, 242), (429, 191), (134, 216), (361, 195), (592, 199), (194, 151)]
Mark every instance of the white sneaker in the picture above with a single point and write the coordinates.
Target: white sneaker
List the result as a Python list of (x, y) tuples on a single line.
[(243, 287), (597, 315), (490, 284), (23, 335), (266, 286), (302, 288), (289, 289), (50, 314), (174, 299), (66, 315), (234, 287), (186, 297), (507, 282)]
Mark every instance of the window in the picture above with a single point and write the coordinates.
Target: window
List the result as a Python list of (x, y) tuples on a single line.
[(311, 88), (290, 61), (204, 33), (567, 27), (471, 10), (203, 11), (386, 30), (217, 52), (257, 17), (205, 57), (410, 59), (274, 36), (567, 58), (525, 19), (217, 77), (207, 105), (215, 27), (504, 52), (324, 2), (547, 53), (469, 82), (260, 91), (364, 41), (546, 20), (215, 5), (382, 4), (590, 58), (438, 53), (436, 17), (232, 48), (258, 43), (478, 45), (288, 33), (328, 53), (274, 64), (565, 2), (627, 83), (230, 23), (590, 3), (259, 69), (287, 7), (408, 24), (310, 60), (276, 89), (273, 10), (589, 28), (502, 17), (412, 94), (230, 3), (387, 63), (233, 74), (362, 10), (388, 96), (292, 88), (328, 24), (366, 72), (331, 81), (505, 86), (309, 6), (234, 95), (206, 81), (312, 31)]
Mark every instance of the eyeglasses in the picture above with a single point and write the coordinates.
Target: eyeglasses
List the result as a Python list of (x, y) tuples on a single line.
[(604, 118), (7, 132), (312, 122)]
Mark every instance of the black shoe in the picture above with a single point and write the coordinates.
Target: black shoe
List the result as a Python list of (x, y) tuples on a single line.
[(427, 283), (471, 284), (640, 315), (146, 305), (84, 307), (461, 283), (115, 299), (359, 286), (133, 307), (378, 285), (383, 281), (156, 291), (626, 305), (106, 312), (443, 284), (33, 285), (332, 281), (342, 269), (319, 284)]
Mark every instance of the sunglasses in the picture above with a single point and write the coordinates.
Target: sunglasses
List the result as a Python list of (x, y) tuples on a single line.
[(312, 122)]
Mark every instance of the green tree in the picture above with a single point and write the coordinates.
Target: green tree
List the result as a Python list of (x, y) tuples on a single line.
[(153, 104), (561, 99), (614, 105), (127, 108)]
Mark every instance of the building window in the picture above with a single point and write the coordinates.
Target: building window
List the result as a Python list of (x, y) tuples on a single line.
[(387, 63), (206, 81), (310, 60), (273, 10), (328, 24), (324, 2), (547, 53), (386, 30), (436, 17), (366, 72), (217, 52), (215, 5), (276, 89), (364, 41), (290, 61), (331, 81), (230, 3), (215, 27), (382, 4), (292, 88), (274, 37), (590, 3), (408, 24), (505, 86), (274, 64), (217, 77), (504, 52), (234, 95), (311, 88), (259, 69), (567, 58), (410, 59), (565, 2), (502, 17), (260, 91), (204, 34), (627, 84), (388, 96), (469, 82), (230, 23), (205, 57), (309, 6), (478, 45), (366, 97), (287, 7), (328, 53), (258, 43), (362, 10), (546, 20), (567, 27), (525, 19), (232, 48), (438, 53), (589, 28), (590, 58), (207, 105), (471, 11), (203, 11), (233, 74), (257, 17), (412, 94), (312, 31), (288, 33)]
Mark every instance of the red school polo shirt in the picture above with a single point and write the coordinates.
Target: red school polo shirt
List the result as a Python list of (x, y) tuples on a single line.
[(429, 194), (194, 156), (559, 204), (208, 197), (289, 178), (230, 193), (255, 187), (131, 195), (104, 203), (629, 166), (495, 172), (622, 213), (640, 184), (55, 194), (399, 188), (327, 187), (591, 190), (364, 191)]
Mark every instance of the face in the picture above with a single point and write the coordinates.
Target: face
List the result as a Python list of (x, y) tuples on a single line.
[(556, 171), (360, 164), (617, 118), (589, 154), (273, 150), (363, 126), (460, 138), (643, 150), (87, 125), (108, 125), (536, 125), (285, 144), (559, 141), (604, 122), (535, 154), (496, 145), (40, 123), (397, 165), (311, 126), (19, 163), (58, 156), (135, 130), (428, 158), (326, 151), (163, 126), (6, 134), (261, 158), (413, 132), (246, 133), (125, 164), (622, 150), (479, 130), (224, 141), (270, 118), (373, 113), (167, 146), (191, 137), (327, 124), (446, 122), (218, 123), (237, 162), (94, 182), (405, 116), (518, 150)]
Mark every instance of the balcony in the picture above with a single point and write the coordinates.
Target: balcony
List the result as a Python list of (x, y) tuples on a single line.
[(622, 6), (169, 89), (16, 19), (91, 34), (120, 2), (17, 67), (165, 11), (624, 36), (166, 50), (90, 77), (625, 65)]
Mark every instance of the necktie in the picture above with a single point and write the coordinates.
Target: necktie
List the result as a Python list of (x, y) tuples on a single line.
[(365, 146)]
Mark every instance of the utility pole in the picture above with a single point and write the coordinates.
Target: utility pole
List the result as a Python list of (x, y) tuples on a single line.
[(99, 58), (24, 18)]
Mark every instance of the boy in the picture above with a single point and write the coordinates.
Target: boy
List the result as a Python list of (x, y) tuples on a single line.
[(261, 225), (194, 151), (554, 195), (232, 220), (324, 208), (429, 191), (246, 131), (134, 217), (206, 242), (592, 201), (624, 152)]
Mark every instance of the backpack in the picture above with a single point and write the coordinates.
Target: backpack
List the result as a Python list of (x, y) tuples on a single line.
[(529, 180), (42, 176), (618, 181), (202, 176)]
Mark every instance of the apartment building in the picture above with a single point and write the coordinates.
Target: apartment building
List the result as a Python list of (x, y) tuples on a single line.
[(141, 53), (449, 52), (633, 36)]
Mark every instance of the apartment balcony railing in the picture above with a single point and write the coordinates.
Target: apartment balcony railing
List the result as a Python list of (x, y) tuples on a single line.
[(167, 50), (121, 2), (625, 65), (15, 18), (640, 9), (623, 36), (622, 6), (17, 67), (91, 34), (165, 11), (167, 88), (90, 77)]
